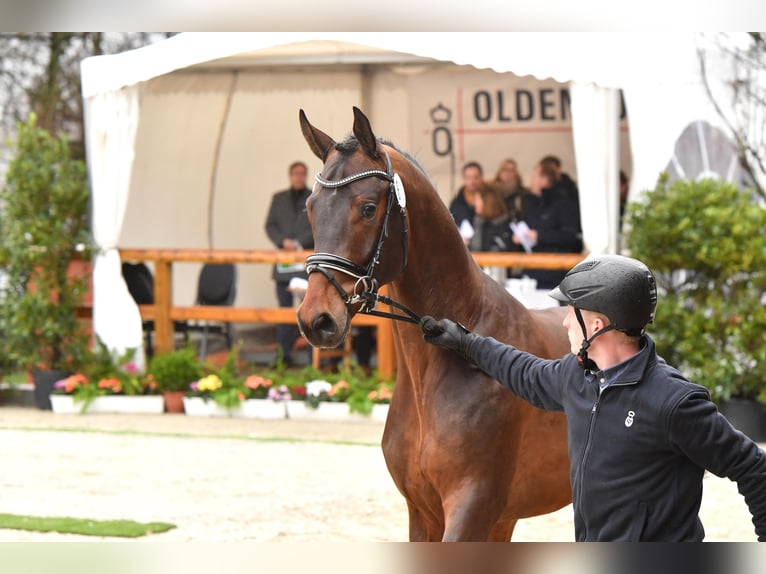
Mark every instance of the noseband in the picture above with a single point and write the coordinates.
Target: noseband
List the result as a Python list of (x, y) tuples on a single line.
[(366, 286)]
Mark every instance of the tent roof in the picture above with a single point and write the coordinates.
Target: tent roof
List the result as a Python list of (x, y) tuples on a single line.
[(607, 59)]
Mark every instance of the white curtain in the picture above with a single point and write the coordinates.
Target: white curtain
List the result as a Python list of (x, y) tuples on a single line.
[(111, 119), (595, 131)]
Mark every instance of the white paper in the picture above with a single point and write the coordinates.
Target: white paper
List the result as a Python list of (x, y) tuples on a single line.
[(521, 230), (298, 284), (466, 229)]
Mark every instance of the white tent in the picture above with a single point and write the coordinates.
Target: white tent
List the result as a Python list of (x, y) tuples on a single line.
[(658, 75)]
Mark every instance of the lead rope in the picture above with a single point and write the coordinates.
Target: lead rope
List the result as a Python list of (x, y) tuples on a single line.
[(411, 316)]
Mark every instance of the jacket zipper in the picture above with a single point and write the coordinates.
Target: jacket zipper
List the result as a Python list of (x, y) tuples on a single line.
[(586, 450), (583, 458)]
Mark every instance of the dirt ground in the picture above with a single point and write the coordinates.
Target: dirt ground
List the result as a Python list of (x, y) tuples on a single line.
[(238, 479)]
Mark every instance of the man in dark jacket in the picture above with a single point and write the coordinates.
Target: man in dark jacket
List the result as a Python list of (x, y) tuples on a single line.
[(553, 222), (640, 435), (462, 205), (288, 227)]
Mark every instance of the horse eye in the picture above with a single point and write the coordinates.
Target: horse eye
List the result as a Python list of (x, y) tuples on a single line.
[(368, 210)]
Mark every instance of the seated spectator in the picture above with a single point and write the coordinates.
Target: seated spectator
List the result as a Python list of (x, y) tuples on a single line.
[(462, 205), (492, 231), (553, 223), (508, 180)]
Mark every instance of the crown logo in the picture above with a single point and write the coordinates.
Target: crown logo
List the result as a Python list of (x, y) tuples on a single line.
[(440, 114)]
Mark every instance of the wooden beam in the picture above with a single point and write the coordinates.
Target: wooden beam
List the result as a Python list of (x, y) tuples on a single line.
[(163, 299), (215, 255), (246, 315), (164, 314), (491, 259), (528, 260)]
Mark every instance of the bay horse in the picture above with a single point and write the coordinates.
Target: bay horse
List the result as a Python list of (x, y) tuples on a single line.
[(469, 457)]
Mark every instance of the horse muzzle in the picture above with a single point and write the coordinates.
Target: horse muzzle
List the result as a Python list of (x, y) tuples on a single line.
[(323, 322)]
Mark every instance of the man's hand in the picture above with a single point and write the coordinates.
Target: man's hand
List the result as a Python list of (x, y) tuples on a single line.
[(447, 334)]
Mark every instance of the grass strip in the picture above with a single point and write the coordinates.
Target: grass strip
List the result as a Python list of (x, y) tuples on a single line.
[(85, 526)]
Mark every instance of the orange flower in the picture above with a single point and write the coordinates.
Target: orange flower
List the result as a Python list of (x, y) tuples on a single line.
[(340, 385), (256, 381), (380, 394), (74, 381), (150, 382), (112, 384)]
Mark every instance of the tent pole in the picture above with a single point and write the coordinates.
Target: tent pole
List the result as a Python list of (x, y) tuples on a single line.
[(612, 110)]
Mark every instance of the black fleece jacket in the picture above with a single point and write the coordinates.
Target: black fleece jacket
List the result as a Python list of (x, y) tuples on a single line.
[(639, 448)]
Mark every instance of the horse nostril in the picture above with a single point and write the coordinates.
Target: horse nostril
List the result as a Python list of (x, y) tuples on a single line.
[(324, 324)]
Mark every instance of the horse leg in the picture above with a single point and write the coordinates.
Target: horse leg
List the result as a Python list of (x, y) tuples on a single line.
[(471, 515), (503, 530), (421, 528)]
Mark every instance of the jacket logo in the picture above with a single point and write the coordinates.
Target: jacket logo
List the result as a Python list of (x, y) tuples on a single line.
[(629, 419)]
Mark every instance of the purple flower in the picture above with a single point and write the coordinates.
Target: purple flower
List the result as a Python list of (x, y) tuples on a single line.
[(194, 386), (280, 394)]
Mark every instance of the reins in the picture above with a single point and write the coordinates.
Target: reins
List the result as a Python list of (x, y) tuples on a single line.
[(366, 287)]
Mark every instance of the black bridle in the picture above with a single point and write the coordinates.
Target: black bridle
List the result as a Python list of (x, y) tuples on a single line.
[(366, 286)]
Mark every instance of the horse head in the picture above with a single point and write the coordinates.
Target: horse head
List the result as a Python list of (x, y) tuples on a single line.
[(358, 216)]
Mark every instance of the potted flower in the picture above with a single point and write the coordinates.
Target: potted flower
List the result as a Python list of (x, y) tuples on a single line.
[(317, 391), (173, 372), (705, 242), (106, 376), (357, 389), (44, 225), (222, 388)]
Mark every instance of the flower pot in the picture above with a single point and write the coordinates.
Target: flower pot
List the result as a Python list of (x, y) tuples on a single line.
[(327, 411), (44, 381), (174, 401), (268, 409), (264, 409), (110, 404), (199, 407), (747, 416)]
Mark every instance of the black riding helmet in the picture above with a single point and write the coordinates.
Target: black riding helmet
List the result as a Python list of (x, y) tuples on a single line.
[(619, 287)]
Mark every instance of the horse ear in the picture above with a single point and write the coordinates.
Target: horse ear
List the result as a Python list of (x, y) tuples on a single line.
[(319, 142), (364, 135)]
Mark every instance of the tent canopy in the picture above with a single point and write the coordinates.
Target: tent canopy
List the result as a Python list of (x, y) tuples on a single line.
[(659, 79)]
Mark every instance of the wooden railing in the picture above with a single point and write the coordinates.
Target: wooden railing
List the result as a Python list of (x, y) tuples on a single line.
[(164, 313)]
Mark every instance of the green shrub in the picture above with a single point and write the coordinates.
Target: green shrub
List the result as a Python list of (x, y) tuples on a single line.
[(176, 370), (43, 223), (706, 243)]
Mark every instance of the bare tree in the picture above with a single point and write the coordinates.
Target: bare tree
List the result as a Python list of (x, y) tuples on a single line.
[(742, 103), (40, 73)]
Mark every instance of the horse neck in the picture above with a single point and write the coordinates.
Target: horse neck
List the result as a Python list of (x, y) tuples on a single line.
[(441, 278)]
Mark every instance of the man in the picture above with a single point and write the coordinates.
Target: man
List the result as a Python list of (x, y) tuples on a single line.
[(552, 223), (462, 205), (288, 227), (562, 179), (640, 435)]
